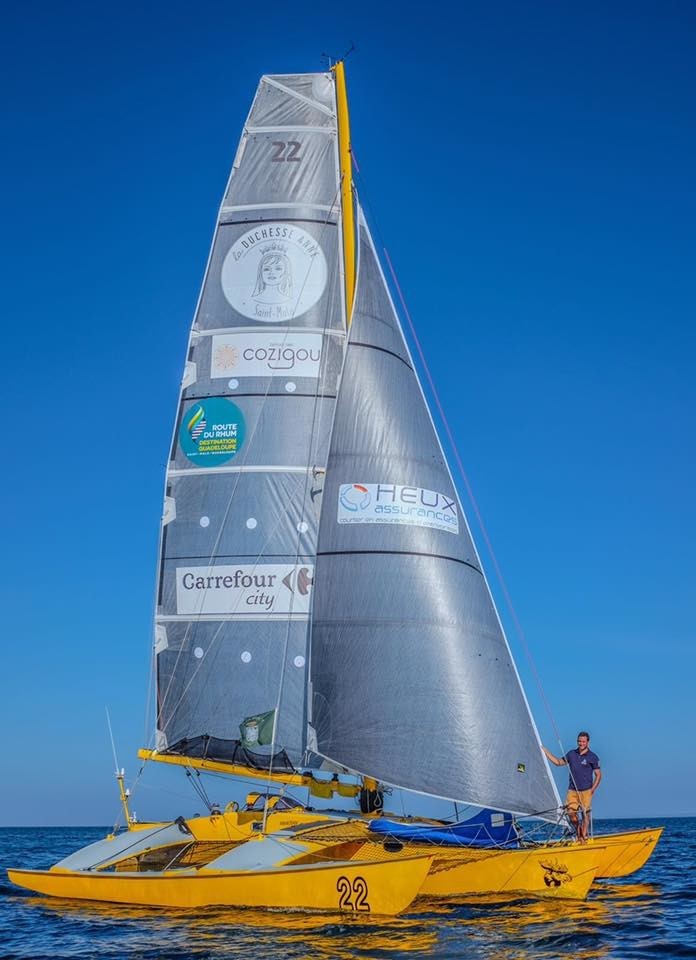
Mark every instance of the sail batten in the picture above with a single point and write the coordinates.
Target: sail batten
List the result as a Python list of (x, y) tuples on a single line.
[(396, 553)]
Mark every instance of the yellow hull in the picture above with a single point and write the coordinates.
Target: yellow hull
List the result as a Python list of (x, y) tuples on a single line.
[(624, 853), (379, 888), (549, 871), (238, 825), (540, 872)]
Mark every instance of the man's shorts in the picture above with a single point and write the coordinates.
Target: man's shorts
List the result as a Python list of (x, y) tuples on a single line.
[(578, 798)]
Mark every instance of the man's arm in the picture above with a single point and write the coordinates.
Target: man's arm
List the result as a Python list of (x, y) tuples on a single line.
[(597, 778), (559, 761)]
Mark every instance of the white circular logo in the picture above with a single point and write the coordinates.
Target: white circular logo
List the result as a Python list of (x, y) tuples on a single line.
[(274, 273)]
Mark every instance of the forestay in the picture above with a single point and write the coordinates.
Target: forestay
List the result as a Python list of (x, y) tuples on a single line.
[(250, 442), (412, 678)]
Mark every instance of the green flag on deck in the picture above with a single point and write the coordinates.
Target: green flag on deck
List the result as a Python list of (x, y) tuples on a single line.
[(257, 730)]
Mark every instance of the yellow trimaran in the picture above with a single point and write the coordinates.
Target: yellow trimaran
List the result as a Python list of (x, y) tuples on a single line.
[(305, 467)]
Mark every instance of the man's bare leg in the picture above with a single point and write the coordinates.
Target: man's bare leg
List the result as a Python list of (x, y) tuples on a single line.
[(573, 817), (584, 824)]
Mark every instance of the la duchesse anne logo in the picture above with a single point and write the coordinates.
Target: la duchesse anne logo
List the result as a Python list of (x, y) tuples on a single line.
[(396, 503), (211, 432), (274, 273)]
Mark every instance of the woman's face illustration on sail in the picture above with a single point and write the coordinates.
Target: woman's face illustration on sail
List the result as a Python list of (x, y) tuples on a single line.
[(273, 279), (272, 271)]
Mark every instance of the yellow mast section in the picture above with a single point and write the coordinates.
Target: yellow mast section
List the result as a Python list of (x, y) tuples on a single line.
[(345, 167)]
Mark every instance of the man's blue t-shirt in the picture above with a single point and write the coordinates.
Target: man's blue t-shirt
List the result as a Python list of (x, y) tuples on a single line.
[(582, 767)]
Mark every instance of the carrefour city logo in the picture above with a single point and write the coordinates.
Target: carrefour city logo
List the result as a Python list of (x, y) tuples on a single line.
[(397, 503), (354, 497)]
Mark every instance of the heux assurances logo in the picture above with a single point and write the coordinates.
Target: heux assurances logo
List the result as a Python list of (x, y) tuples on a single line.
[(397, 503), (355, 497)]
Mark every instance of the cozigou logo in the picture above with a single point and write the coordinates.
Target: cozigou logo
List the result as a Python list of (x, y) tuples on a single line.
[(280, 357), (396, 503), (211, 432), (354, 497), (225, 358), (265, 353), (274, 273)]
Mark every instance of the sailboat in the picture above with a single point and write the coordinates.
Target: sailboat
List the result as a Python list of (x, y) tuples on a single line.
[(321, 605)]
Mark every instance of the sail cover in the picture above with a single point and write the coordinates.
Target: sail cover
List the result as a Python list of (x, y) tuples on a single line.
[(412, 679), (250, 442)]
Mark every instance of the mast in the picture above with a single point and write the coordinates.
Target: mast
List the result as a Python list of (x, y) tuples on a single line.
[(345, 164)]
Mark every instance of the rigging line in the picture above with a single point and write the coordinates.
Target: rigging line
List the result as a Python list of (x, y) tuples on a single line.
[(311, 455), (135, 842), (111, 736), (212, 557), (150, 700), (198, 788), (216, 635), (222, 526), (281, 514), (162, 539), (248, 446), (472, 499), (344, 347)]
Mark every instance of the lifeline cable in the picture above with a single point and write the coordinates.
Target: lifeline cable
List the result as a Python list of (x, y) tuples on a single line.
[(472, 499)]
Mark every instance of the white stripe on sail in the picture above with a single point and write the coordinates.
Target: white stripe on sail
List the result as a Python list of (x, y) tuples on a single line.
[(232, 208), (202, 471), (290, 128), (216, 617), (286, 330)]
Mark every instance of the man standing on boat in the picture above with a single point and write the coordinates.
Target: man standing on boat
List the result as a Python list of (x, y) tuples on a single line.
[(584, 777)]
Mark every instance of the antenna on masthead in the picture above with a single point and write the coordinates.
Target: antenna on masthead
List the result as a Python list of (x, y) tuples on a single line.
[(331, 61)]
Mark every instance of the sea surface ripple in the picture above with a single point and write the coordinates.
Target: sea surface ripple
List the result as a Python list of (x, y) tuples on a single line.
[(651, 914)]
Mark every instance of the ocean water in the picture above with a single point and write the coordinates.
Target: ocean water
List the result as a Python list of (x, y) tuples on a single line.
[(650, 914)]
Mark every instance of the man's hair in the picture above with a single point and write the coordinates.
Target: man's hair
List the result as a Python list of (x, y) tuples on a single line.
[(584, 733)]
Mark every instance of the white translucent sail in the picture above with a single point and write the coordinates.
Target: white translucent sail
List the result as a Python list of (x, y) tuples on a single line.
[(239, 530)]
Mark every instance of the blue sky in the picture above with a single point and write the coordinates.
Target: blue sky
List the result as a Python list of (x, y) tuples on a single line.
[(530, 170)]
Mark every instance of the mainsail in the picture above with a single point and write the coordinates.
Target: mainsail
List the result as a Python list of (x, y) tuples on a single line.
[(412, 679), (250, 444)]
